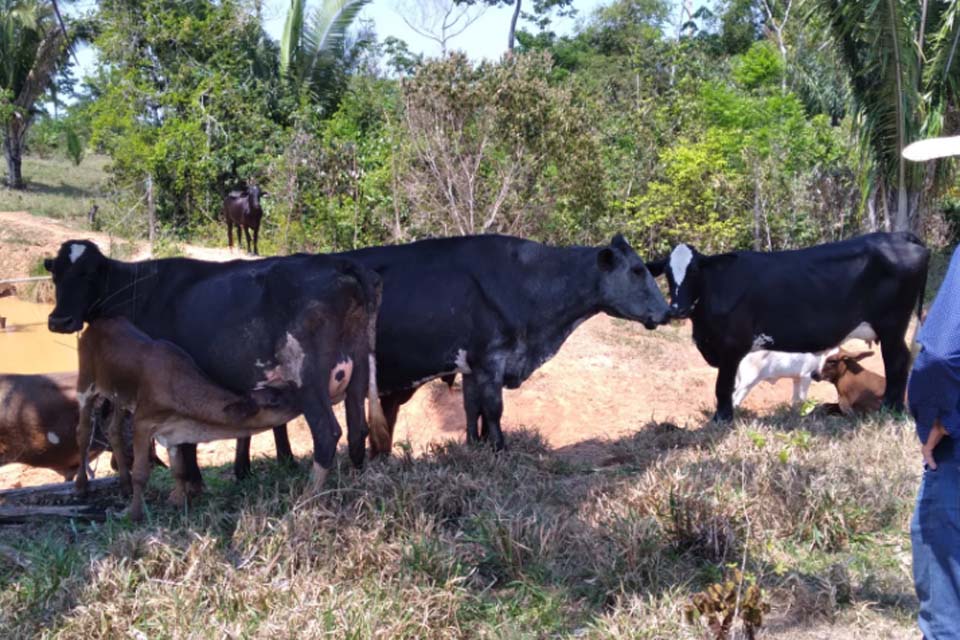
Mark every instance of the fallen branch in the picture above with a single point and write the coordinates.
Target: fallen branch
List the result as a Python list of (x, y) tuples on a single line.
[(61, 490), (10, 514)]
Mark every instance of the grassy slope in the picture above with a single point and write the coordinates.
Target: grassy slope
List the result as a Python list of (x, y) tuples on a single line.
[(57, 189)]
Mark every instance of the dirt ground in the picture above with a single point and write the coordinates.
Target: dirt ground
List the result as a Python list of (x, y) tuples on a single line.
[(610, 378)]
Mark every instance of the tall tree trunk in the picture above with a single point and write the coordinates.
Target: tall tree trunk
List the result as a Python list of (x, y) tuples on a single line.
[(13, 152), (36, 82), (511, 38)]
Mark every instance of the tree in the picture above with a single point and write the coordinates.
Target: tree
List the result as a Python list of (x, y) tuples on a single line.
[(32, 45), (189, 97), (903, 64), (313, 44), (439, 20), (494, 147), (540, 7)]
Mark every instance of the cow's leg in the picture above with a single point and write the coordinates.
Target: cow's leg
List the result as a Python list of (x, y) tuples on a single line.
[(281, 442), (84, 432), (726, 375), (390, 403), (178, 497), (141, 468), (896, 365), (743, 388), (230, 234), (256, 234), (241, 459), (801, 387), (325, 431), (354, 403), (490, 390), (191, 477), (118, 447), (239, 238), (246, 232), (471, 406)]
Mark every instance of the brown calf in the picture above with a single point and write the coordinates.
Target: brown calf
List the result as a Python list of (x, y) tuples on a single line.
[(38, 422), (859, 391), (170, 399)]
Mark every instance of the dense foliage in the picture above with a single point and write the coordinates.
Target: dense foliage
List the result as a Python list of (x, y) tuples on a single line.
[(741, 125)]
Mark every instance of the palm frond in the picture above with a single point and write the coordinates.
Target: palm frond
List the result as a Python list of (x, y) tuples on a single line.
[(290, 44), (942, 76), (329, 24)]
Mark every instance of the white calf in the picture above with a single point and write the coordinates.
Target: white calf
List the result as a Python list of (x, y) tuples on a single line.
[(758, 366)]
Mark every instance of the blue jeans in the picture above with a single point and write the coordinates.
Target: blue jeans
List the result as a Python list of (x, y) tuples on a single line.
[(935, 534)]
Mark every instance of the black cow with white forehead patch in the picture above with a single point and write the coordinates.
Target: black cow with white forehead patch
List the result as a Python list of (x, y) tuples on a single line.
[(302, 324), (805, 300)]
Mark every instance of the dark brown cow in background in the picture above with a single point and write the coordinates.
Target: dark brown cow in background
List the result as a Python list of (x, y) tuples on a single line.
[(38, 422), (242, 208)]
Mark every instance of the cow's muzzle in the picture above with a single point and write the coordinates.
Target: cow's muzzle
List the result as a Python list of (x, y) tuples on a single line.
[(64, 324), (816, 377)]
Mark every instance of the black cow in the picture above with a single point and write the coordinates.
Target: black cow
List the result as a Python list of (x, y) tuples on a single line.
[(242, 208), (805, 300), (298, 323), (493, 308)]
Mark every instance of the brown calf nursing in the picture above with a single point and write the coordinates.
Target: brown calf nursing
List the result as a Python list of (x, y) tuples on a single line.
[(859, 391), (38, 422), (170, 399)]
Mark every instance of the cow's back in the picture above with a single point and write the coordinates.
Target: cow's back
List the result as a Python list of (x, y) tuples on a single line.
[(813, 297), (38, 418)]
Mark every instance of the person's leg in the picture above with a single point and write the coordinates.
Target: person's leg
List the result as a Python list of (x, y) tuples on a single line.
[(935, 534)]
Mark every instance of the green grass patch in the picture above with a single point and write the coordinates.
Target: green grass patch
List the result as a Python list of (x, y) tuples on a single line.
[(58, 189)]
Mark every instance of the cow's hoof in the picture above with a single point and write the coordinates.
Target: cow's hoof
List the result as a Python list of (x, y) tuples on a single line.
[(241, 472), (177, 499), (721, 418), (318, 476)]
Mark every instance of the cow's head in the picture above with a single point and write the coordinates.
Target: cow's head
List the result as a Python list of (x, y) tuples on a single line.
[(627, 289), (838, 364), (254, 193), (78, 273), (682, 267)]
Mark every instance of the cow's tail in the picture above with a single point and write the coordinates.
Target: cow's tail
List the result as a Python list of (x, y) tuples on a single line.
[(380, 436)]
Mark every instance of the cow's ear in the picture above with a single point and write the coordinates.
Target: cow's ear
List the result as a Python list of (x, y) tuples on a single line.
[(619, 242), (48, 265), (861, 356), (606, 259), (657, 267), (264, 194)]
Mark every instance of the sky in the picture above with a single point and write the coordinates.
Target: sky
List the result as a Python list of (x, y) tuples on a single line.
[(485, 38)]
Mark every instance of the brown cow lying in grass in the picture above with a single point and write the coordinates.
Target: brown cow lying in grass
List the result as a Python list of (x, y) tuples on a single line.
[(859, 391), (38, 422), (170, 399)]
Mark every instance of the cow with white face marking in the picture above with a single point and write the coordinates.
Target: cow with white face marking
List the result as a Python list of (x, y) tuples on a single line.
[(304, 325), (806, 300)]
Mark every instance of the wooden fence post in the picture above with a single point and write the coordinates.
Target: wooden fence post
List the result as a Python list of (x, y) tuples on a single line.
[(151, 212)]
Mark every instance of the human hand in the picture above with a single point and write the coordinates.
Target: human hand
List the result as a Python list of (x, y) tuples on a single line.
[(936, 435)]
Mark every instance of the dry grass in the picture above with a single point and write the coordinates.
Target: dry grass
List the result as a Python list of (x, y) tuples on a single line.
[(464, 543)]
